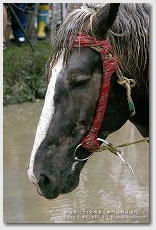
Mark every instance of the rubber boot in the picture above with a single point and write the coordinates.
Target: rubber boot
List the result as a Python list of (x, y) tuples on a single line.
[(42, 20)]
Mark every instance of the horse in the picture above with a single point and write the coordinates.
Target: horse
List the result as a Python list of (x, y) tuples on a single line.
[(75, 76)]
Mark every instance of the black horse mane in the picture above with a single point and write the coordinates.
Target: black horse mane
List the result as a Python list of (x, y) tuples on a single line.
[(129, 34)]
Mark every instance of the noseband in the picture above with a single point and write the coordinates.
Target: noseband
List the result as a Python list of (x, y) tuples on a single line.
[(110, 65)]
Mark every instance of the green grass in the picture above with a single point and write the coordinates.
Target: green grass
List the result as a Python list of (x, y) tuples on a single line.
[(23, 78)]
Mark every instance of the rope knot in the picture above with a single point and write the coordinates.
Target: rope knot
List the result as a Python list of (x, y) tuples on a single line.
[(108, 56), (112, 148), (123, 81)]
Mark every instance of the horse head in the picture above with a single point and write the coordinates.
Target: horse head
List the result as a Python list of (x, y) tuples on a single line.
[(69, 110)]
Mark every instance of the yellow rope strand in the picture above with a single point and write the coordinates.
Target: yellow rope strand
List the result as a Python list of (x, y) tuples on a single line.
[(113, 149), (128, 84)]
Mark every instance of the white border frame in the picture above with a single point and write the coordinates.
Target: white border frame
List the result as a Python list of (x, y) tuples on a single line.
[(152, 126)]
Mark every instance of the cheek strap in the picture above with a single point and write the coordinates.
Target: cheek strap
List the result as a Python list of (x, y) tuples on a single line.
[(110, 65)]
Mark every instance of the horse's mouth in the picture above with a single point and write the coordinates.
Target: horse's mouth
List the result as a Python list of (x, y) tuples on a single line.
[(71, 183), (54, 194)]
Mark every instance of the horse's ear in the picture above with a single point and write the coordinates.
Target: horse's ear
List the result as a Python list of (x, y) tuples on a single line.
[(104, 19)]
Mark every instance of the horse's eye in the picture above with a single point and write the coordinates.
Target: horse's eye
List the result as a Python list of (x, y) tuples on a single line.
[(78, 83), (79, 80)]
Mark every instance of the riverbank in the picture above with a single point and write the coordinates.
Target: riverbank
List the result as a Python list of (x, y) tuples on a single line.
[(23, 72)]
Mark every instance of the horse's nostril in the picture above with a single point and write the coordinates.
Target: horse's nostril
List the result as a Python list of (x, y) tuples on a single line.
[(48, 186), (44, 181)]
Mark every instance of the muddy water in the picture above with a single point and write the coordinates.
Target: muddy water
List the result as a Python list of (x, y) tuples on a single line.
[(107, 193)]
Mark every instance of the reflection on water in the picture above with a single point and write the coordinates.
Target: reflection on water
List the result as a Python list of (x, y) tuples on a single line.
[(107, 193)]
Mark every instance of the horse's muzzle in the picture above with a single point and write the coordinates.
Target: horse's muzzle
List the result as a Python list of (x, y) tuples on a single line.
[(48, 186)]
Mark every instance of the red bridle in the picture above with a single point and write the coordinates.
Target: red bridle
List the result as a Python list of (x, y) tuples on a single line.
[(110, 65)]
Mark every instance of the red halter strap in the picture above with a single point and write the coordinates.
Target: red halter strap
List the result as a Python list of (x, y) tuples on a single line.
[(110, 65)]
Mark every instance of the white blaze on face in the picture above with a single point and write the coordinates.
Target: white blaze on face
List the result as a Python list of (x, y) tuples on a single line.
[(46, 115)]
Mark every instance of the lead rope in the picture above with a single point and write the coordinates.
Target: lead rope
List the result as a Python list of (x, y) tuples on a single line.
[(113, 149)]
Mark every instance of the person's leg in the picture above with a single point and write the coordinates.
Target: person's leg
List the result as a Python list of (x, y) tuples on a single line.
[(19, 10), (5, 21), (42, 20)]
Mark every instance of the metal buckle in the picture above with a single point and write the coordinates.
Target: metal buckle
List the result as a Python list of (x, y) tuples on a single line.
[(84, 159)]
